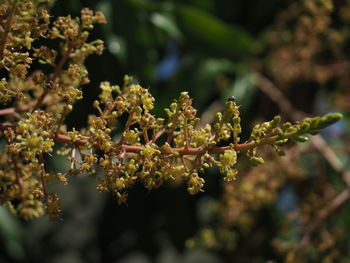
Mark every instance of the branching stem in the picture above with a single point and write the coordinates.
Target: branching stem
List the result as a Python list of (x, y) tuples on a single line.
[(42, 177), (61, 138), (55, 75), (7, 28)]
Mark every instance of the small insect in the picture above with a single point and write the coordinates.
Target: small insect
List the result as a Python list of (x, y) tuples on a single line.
[(232, 98)]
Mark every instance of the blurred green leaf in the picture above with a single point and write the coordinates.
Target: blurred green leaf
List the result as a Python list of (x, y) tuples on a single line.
[(202, 4), (243, 89), (106, 8), (145, 4), (75, 5), (166, 22), (117, 46), (12, 233), (211, 32), (206, 74)]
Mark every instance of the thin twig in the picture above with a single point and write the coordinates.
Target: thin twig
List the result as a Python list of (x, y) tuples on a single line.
[(60, 123), (209, 115), (15, 110), (14, 159), (317, 141), (39, 102), (268, 87), (6, 31), (156, 136), (336, 203), (8, 111), (186, 138), (42, 177), (331, 157), (145, 136), (19, 180), (72, 159), (170, 137), (127, 126), (55, 75), (182, 151)]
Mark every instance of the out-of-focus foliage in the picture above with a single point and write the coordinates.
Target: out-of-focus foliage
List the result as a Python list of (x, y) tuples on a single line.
[(213, 49)]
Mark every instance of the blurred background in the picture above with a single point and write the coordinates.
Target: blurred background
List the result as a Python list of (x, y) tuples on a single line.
[(287, 57)]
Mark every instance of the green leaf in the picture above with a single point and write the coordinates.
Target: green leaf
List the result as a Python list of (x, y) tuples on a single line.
[(145, 4), (166, 22), (205, 74), (12, 234), (209, 31), (117, 46), (106, 8), (243, 88)]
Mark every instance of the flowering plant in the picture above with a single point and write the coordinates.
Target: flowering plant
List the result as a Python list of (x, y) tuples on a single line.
[(149, 150)]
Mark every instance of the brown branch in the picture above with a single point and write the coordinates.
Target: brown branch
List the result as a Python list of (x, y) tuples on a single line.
[(72, 158), (61, 138), (55, 75), (19, 180), (182, 151), (170, 137), (15, 110), (39, 102), (127, 126), (186, 138), (210, 114), (145, 136), (42, 178), (319, 143), (8, 111), (336, 203), (268, 87), (60, 123), (156, 136), (14, 159)]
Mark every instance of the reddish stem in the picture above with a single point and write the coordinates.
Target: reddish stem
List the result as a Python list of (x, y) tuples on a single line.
[(55, 75), (14, 158), (8, 111), (157, 135), (127, 125), (145, 136), (182, 151), (186, 134), (42, 178), (19, 180), (15, 110), (170, 137)]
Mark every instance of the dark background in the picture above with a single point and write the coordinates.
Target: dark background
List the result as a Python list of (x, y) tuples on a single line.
[(213, 49)]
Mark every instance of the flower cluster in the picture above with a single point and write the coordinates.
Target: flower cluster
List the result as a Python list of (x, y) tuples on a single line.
[(138, 155), (34, 135), (144, 149), (235, 213)]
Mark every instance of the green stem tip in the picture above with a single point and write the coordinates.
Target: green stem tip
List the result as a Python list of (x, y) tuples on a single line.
[(329, 119)]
